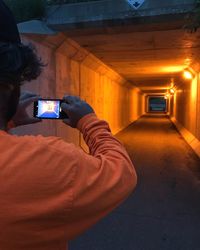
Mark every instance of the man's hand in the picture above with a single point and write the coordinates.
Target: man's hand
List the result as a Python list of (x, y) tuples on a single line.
[(21, 117), (75, 108)]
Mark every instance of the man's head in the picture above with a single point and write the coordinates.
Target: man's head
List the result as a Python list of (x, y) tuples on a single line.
[(18, 63)]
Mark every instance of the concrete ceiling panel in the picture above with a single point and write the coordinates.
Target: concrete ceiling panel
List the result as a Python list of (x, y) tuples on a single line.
[(147, 59)]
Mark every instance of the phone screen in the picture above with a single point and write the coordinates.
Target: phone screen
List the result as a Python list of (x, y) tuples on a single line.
[(49, 109)]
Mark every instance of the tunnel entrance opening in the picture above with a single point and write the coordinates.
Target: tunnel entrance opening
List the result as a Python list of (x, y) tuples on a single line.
[(157, 104)]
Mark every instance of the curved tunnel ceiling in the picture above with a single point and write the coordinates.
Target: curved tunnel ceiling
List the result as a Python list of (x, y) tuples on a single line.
[(148, 59)]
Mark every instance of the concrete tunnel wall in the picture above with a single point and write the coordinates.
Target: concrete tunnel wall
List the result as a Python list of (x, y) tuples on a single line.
[(73, 70), (185, 111)]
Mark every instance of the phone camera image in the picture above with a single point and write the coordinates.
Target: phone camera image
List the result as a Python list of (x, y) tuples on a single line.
[(48, 109)]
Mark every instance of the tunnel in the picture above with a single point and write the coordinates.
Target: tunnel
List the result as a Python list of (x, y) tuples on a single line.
[(141, 75)]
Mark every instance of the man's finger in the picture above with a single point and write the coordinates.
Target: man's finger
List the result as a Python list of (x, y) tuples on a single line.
[(68, 99), (28, 101), (27, 94), (65, 107), (71, 99)]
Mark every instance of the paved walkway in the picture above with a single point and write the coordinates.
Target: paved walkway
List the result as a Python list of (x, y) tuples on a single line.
[(164, 211)]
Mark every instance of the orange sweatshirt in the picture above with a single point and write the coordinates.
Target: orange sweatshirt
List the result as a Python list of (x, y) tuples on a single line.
[(52, 191)]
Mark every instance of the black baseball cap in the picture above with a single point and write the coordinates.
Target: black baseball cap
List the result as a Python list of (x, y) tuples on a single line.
[(8, 27)]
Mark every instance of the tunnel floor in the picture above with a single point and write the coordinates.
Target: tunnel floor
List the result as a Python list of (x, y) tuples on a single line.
[(164, 211)]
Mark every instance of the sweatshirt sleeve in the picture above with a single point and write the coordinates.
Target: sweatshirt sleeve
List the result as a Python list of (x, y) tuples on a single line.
[(104, 178)]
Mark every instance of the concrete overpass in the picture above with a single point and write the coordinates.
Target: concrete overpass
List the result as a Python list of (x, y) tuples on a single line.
[(117, 59)]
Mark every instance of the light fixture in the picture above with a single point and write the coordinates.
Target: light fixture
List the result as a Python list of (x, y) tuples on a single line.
[(167, 95), (172, 91), (188, 74)]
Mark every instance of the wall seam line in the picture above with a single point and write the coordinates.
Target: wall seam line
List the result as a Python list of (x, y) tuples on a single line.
[(79, 66), (197, 104)]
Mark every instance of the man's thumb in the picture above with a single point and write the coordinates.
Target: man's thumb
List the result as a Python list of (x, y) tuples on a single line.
[(65, 107)]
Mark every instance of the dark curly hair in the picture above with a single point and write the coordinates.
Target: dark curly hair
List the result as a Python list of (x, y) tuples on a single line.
[(18, 63)]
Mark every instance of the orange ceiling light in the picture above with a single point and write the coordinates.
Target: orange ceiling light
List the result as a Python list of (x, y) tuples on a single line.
[(171, 69), (188, 74), (167, 95), (172, 91)]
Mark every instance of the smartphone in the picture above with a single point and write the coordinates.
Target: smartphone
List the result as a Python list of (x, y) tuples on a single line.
[(49, 109)]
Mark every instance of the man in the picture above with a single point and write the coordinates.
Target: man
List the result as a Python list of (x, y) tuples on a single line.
[(51, 191)]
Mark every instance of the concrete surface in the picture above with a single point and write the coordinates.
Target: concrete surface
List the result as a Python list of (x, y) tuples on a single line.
[(147, 59), (90, 14), (189, 137), (186, 105), (35, 27), (164, 211)]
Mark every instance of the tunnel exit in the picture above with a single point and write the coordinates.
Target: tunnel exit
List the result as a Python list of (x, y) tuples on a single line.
[(157, 104)]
